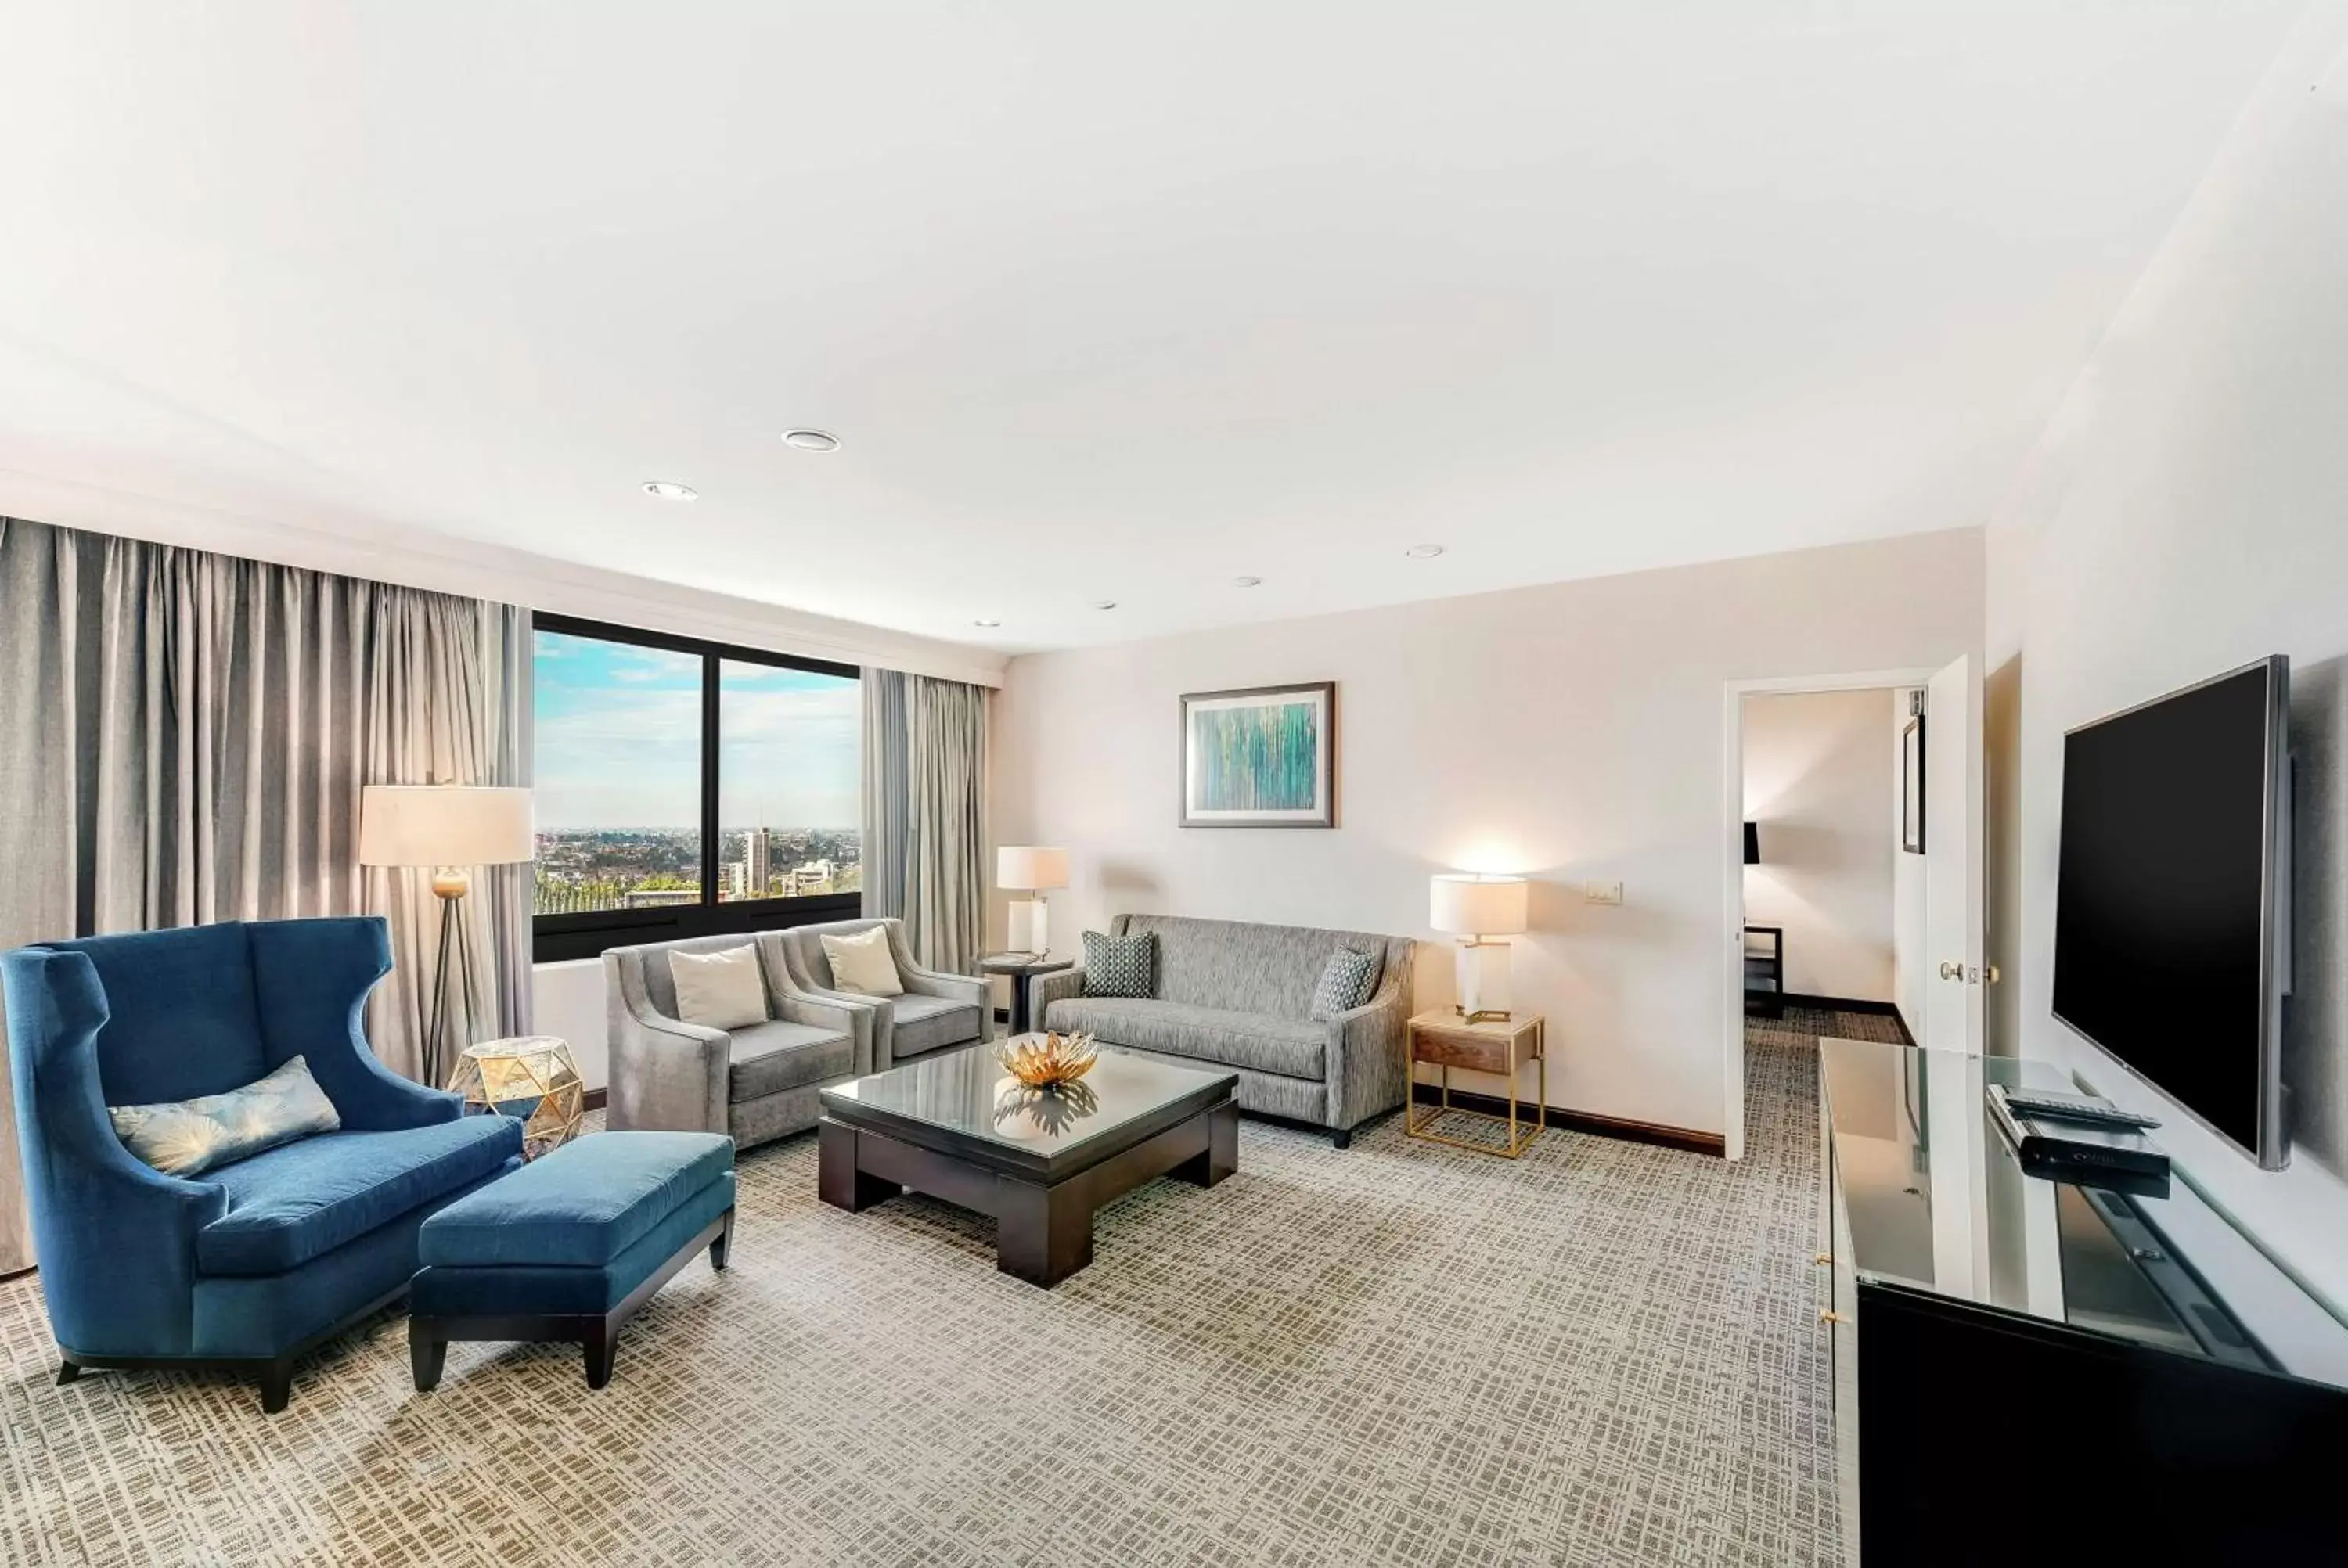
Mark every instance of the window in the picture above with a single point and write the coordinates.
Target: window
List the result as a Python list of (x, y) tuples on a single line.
[(686, 788)]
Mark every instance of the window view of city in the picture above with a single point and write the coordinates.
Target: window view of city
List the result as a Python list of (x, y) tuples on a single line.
[(619, 778)]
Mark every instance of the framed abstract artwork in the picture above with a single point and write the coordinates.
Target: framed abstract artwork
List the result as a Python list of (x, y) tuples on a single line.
[(1262, 757)]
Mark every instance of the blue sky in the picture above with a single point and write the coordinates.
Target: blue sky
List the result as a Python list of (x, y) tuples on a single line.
[(618, 740)]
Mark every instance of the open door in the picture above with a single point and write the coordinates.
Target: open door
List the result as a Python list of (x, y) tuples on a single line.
[(1953, 859)]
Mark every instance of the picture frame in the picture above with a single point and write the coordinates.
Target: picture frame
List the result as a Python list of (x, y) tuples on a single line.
[(1260, 756), (1911, 786)]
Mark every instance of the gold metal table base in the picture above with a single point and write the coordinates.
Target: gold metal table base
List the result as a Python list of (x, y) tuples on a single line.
[(1520, 1133)]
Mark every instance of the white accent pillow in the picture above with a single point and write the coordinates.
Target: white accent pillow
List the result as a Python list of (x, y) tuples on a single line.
[(863, 964), (720, 990)]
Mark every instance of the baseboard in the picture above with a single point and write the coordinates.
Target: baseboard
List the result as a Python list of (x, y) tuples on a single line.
[(596, 1099), (1656, 1133)]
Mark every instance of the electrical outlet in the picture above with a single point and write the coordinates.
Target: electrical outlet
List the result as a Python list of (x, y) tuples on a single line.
[(1601, 892)]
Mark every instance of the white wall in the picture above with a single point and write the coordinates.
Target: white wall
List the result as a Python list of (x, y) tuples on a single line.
[(566, 999), (1570, 732), (1817, 778), (2187, 511)]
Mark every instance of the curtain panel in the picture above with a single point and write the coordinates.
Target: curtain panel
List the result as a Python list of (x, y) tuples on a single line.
[(184, 735), (925, 813)]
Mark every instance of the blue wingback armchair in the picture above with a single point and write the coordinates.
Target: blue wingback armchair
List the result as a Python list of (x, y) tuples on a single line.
[(250, 1264)]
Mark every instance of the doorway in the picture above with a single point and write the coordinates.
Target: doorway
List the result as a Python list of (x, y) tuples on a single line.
[(1850, 819)]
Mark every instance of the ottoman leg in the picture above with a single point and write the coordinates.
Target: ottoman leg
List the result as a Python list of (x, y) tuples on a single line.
[(276, 1385), (427, 1353), (718, 1248), (601, 1344)]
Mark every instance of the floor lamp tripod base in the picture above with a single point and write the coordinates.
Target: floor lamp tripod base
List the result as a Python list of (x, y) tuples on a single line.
[(456, 953)]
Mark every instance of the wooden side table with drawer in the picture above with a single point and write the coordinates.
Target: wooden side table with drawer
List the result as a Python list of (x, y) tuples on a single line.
[(1444, 1040)]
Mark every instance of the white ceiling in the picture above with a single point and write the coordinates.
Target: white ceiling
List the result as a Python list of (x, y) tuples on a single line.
[(1105, 301)]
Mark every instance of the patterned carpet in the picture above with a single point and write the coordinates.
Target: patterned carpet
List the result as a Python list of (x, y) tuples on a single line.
[(1603, 1354)]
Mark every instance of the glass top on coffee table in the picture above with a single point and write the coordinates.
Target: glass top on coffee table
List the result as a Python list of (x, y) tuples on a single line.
[(966, 1103)]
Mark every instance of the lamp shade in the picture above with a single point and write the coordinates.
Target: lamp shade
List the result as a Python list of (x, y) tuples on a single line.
[(1752, 844), (444, 824), (1030, 869), (1477, 906)]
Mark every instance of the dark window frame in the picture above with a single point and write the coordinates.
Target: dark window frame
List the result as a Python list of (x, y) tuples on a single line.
[(555, 938)]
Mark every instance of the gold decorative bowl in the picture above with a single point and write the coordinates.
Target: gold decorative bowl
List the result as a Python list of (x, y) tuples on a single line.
[(1047, 1060)]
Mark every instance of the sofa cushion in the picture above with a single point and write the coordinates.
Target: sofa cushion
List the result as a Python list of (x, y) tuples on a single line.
[(1120, 966), (769, 1058), (1345, 983), (726, 989), (1251, 968), (926, 1023), (301, 1200), (1258, 1041), (186, 1137), (581, 1206), (861, 963)]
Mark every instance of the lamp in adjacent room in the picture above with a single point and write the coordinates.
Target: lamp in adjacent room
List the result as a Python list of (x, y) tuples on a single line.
[(1479, 907), (1030, 869), (1752, 844), (451, 828)]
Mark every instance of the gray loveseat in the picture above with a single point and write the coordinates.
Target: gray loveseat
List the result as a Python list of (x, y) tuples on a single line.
[(1239, 996), (757, 1083)]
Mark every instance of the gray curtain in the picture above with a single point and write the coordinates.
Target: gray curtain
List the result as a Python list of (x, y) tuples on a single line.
[(183, 737), (925, 813)]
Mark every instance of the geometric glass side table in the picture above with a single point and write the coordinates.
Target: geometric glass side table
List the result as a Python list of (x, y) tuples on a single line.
[(530, 1078)]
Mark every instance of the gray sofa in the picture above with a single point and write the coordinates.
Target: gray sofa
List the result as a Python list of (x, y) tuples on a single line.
[(936, 1011), (1240, 996), (756, 1083)]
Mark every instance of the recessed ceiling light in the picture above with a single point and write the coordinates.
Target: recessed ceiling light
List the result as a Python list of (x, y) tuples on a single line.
[(1424, 552), (983, 621), (670, 490), (1103, 604), (1247, 582), (811, 440)]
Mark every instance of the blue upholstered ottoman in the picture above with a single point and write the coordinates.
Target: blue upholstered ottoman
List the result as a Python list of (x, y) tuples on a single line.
[(567, 1248)]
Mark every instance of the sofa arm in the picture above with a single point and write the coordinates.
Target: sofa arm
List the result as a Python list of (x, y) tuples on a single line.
[(1043, 990), (116, 1238), (667, 1075), (1367, 1059)]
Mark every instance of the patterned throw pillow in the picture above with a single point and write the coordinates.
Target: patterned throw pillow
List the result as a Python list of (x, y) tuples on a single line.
[(1120, 966), (189, 1136), (1345, 983)]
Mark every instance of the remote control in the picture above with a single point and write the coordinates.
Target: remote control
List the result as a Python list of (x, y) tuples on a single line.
[(2055, 1106)]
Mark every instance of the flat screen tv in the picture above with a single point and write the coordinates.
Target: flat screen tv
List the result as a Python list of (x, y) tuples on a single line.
[(2170, 945)]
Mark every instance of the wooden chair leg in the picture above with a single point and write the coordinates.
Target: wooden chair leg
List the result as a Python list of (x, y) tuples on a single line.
[(276, 1386)]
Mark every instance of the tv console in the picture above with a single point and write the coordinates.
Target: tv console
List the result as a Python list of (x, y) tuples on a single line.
[(2027, 1370)]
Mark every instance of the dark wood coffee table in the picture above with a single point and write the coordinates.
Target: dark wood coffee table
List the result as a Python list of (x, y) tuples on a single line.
[(958, 1127)]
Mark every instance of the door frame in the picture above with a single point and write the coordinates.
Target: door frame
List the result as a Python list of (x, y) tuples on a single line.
[(1732, 858)]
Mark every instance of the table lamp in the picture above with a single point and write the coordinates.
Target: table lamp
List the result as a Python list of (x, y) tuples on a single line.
[(1029, 868), (1477, 907), (451, 828)]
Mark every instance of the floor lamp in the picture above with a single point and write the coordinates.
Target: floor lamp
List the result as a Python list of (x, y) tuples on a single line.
[(451, 828)]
